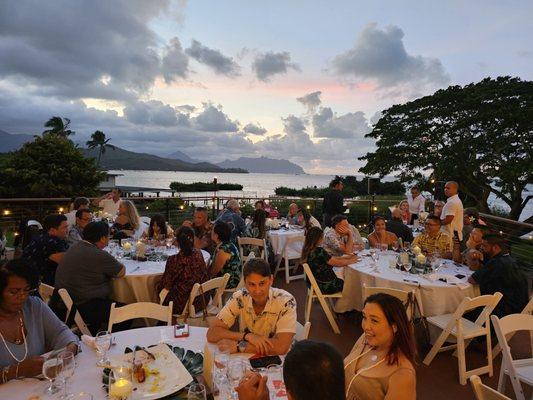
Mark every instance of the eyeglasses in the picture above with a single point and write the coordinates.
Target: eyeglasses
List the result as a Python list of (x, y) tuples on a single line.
[(19, 292)]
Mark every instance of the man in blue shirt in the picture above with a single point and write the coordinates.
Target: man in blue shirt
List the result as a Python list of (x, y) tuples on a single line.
[(231, 215)]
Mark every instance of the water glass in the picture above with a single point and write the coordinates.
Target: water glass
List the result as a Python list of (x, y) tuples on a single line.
[(236, 371), (103, 343), (68, 367), (196, 392), (275, 379), (52, 369)]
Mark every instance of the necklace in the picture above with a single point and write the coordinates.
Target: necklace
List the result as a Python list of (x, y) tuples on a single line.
[(18, 342), (373, 358)]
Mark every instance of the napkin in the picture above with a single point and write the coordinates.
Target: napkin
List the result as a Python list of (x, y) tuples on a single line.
[(449, 279), (89, 341)]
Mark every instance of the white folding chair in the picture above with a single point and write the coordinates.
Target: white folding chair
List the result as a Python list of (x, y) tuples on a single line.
[(464, 330), (401, 295), (518, 370), (288, 254), (302, 331), (484, 392), (46, 292), (259, 243), (528, 309), (78, 320), (139, 310), (314, 292)]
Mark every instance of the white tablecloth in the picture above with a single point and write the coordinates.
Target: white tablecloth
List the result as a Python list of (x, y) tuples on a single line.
[(88, 377), (141, 279), (435, 297), (280, 236)]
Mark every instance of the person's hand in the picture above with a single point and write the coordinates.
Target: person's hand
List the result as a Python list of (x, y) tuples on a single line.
[(32, 366), (253, 387), (227, 344), (354, 258), (261, 343), (343, 230), (72, 347)]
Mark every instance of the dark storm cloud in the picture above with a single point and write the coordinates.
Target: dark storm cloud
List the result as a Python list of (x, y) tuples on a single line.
[(268, 64), (218, 62), (254, 129)]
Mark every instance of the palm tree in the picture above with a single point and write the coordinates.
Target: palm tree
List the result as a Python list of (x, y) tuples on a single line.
[(98, 140), (58, 127)]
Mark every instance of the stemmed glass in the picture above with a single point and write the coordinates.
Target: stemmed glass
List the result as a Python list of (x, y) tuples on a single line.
[(67, 370), (407, 266), (103, 343), (395, 245), (196, 392), (168, 242), (236, 371), (220, 370), (51, 369)]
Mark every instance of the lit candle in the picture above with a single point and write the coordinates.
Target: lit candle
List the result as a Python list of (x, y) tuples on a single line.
[(421, 259), (121, 389), (126, 246), (416, 250)]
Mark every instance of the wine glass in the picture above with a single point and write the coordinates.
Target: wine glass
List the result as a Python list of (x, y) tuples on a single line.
[(103, 343), (395, 245), (168, 242), (384, 247), (67, 370), (236, 371), (51, 369), (196, 392), (220, 370), (407, 267)]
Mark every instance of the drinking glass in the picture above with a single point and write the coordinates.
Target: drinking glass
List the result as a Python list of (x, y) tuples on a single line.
[(220, 368), (384, 247), (236, 371), (103, 343), (407, 267), (168, 242), (275, 379), (196, 392), (395, 245), (51, 369), (67, 370)]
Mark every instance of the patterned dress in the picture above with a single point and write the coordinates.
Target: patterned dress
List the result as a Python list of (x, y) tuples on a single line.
[(232, 265), (181, 273), (326, 279)]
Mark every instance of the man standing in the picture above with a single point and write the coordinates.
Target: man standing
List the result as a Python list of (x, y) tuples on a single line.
[(416, 203), (109, 202), (231, 215), (80, 203), (86, 271), (333, 202), (46, 250), (501, 274), (75, 233), (452, 213), (267, 315)]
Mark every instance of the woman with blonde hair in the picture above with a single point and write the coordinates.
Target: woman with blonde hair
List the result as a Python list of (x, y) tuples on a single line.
[(404, 210), (128, 222)]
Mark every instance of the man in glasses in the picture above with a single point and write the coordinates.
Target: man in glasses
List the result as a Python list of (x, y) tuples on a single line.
[(75, 234), (433, 240)]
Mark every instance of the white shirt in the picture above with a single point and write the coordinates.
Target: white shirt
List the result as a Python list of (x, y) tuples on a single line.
[(109, 206), (453, 206), (71, 218), (416, 205)]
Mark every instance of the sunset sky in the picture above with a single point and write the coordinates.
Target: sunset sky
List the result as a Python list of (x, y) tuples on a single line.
[(299, 80)]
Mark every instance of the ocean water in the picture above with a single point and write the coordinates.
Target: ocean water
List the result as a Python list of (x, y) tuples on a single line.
[(255, 185)]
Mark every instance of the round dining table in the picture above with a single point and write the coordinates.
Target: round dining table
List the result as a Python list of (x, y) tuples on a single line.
[(278, 238), (141, 278), (437, 293)]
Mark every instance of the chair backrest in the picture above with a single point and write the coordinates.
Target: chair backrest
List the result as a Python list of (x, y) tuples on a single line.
[(140, 310), (260, 243), (488, 301), (302, 331), (163, 295), (286, 252), (46, 292), (33, 222), (218, 284), (528, 309), (484, 392), (401, 295), (80, 323), (312, 280)]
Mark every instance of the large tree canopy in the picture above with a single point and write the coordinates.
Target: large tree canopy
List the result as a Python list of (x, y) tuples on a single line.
[(50, 166), (479, 135)]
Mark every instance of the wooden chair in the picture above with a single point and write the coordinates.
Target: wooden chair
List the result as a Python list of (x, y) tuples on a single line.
[(140, 310), (302, 331), (246, 241), (288, 255), (401, 295), (518, 370), (464, 330), (78, 320), (314, 292), (46, 292), (484, 392), (528, 309)]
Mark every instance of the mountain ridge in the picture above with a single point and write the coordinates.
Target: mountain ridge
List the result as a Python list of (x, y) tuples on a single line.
[(263, 165)]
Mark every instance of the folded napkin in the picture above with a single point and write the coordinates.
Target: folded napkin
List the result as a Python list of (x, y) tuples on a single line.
[(89, 341)]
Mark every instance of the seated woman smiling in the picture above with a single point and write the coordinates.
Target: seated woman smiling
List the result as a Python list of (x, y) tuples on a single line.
[(380, 236), (28, 328), (381, 364)]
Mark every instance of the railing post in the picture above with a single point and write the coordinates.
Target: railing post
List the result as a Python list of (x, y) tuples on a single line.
[(167, 208)]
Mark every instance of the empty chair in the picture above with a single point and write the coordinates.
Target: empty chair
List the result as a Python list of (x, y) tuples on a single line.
[(140, 310), (518, 370), (483, 392), (46, 292), (528, 309), (302, 331), (260, 244), (314, 292), (292, 251), (401, 295), (78, 320), (464, 330)]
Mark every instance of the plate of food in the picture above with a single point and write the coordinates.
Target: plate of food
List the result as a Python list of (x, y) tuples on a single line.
[(157, 371)]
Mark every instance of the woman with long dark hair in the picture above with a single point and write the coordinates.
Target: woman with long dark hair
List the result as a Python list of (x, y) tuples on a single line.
[(381, 236), (381, 364), (158, 228), (227, 258), (306, 220), (321, 263), (182, 271)]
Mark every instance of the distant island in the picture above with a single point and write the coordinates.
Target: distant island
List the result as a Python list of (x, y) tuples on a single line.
[(263, 165), (203, 186)]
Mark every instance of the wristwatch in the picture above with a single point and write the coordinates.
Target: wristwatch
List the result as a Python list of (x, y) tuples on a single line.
[(241, 346)]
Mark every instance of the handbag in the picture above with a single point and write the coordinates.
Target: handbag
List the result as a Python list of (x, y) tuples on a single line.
[(420, 325)]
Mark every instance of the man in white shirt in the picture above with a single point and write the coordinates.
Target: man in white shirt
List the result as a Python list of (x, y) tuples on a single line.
[(416, 203), (80, 203), (267, 315), (452, 213), (109, 202)]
